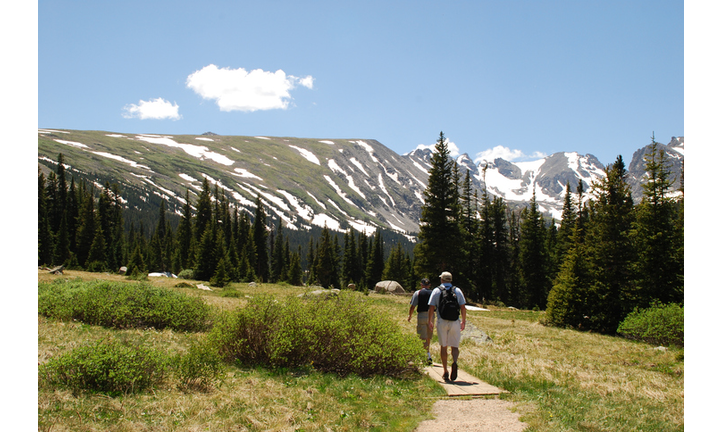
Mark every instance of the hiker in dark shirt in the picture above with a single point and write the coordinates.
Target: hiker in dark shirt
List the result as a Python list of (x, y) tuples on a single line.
[(420, 300), (449, 331)]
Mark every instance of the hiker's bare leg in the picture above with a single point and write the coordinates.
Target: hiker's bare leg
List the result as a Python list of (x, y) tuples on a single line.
[(443, 354), (455, 354)]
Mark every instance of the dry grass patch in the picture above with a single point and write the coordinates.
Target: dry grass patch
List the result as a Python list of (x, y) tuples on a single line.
[(578, 381)]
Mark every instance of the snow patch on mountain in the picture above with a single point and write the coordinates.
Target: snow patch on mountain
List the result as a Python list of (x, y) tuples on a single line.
[(304, 211), (327, 142), (201, 152), (204, 139), (359, 165), (122, 159), (311, 157), (244, 173), (72, 143), (324, 220), (338, 190)]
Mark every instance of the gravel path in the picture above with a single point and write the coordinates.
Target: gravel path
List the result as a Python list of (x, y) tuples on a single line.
[(474, 415)]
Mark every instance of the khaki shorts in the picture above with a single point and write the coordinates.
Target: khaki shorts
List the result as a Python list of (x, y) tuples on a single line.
[(422, 328), (449, 333)]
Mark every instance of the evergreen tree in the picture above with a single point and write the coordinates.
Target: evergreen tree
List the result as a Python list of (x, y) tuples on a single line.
[(184, 234), (136, 262), (514, 292), (567, 226), (45, 236), (533, 257), (96, 260), (499, 261), (375, 263), (397, 266), (295, 272), (440, 233), (326, 261), (350, 266), (204, 212), (567, 302), (609, 239), (261, 239), (658, 240), (86, 227), (311, 261), (277, 255), (206, 256)]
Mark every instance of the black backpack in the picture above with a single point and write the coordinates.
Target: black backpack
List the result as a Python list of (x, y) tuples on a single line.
[(423, 300), (448, 304)]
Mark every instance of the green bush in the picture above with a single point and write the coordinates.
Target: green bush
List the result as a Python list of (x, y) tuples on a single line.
[(186, 274), (344, 335), (109, 367), (123, 305), (199, 369), (658, 325)]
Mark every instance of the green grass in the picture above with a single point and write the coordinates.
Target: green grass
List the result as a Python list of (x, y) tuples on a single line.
[(560, 380)]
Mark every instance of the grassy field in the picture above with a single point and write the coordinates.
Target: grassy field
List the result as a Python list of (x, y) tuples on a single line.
[(560, 380)]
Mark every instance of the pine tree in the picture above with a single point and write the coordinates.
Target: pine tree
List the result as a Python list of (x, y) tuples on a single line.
[(440, 233), (184, 234), (534, 257), (326, 261), (86, 227), (277, 254), (295, 272), (261, 239), (349, 273), (609, 237), (567, 226), (45, 236), (96, 261), (310, 262), (396, 267), (206, 256), (658, 239), (204, 212), (375, 262), (567, 302)]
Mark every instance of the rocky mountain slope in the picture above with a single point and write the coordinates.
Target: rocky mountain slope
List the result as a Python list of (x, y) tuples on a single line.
[(339, 183)]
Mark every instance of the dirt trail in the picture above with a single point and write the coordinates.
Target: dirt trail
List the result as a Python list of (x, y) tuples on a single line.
[(473, 415)]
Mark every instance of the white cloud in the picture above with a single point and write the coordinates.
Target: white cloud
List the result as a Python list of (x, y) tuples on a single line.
[(153, 109), (452, 147), (507, 154), (238, 90)]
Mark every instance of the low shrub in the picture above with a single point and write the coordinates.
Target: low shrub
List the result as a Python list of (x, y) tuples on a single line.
[(343, 334), (186, 274), (123, 305), (658, 325), (110, 367), (199, 369)]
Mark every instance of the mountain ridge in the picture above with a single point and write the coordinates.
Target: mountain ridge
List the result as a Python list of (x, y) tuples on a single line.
[(338, 183)]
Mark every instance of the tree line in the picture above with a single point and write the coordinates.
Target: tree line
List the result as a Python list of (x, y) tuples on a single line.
[(82, 227), (605, 257)]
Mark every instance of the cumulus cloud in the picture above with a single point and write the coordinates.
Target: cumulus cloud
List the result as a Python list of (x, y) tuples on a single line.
[(153, 109), (506, 154), (239, 90), (452, 147)]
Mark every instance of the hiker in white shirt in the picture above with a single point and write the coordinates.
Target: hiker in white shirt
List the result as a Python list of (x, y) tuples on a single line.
[(449, 331)]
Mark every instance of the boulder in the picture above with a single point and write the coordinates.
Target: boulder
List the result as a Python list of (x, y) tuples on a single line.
[(323, 293), (389, 287)]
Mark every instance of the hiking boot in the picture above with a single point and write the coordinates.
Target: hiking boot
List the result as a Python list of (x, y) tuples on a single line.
[(445, 377), (429, 361), (454, 372)]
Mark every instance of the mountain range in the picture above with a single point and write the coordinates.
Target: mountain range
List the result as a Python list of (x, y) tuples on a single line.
[(338, 183)]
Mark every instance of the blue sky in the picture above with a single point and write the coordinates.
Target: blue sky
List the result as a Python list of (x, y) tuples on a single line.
[(515, 79)]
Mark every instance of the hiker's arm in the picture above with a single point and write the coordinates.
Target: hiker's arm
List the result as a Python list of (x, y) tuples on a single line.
[(430, 319), (464, 315), (411, 311)]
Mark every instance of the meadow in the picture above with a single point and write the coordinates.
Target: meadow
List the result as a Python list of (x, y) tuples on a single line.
[(559, 379)]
